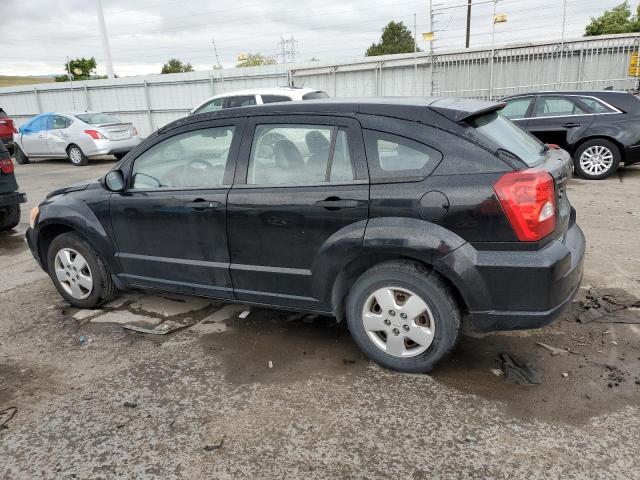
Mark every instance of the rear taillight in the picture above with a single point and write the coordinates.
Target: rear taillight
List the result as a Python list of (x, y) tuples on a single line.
[(96, 135), (134, 131), (528, 200), (6, 165)]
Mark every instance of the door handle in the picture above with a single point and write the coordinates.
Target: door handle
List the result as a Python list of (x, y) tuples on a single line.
[(336, 203), (570, 125), (200, 204)]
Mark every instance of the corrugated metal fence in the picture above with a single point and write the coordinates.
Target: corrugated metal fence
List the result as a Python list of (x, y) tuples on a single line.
[(154, 100)]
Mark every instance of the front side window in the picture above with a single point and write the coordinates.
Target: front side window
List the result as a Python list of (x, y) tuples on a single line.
[(212, 106), (596, 106), (299, 154), (37, 124), (275, 98), (240, 101), (394, 157), (556, 107), (98, 118), (194, 159), (516, 108), (507, 135)]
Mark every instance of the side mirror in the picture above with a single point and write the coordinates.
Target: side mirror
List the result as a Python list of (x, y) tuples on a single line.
[(114, 181)]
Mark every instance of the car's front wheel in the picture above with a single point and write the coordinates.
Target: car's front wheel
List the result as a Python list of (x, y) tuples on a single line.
[(77, 156), (78, 272), (596, 159), (403, 316), (19, 155)]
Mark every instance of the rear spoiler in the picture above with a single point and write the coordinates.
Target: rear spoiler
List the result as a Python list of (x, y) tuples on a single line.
[(461, 110)]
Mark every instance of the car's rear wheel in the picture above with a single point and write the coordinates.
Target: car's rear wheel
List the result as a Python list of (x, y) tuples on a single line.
[(19, 155), (77, 156), (403, 316), (596, 159), (9, 218), (78, 272), (120, 155)]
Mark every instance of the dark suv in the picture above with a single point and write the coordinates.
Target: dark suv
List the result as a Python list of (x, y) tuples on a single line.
[(10, 198), (406, 216), (599, 128)]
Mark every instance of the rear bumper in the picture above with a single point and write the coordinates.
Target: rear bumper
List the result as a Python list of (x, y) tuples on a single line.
[(511, 290), (109, 147), (10, 199)]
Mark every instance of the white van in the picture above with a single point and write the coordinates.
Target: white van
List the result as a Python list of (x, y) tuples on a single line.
[(258, 96)]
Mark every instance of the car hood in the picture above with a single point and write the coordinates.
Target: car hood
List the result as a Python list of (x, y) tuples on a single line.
[(76, 187)]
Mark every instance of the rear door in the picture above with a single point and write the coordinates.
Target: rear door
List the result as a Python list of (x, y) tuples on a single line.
[(559, 120), (170, 223), (58, 135), (300, 181)]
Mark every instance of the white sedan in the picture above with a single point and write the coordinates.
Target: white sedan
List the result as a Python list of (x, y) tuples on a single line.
[(76, 136)]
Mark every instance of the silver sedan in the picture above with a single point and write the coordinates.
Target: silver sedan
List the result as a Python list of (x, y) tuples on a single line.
[(76, 136)]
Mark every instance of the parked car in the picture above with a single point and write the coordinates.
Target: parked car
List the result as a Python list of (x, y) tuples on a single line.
[(259, 96), (600, 129), (10, 198), (406, 216), (7, 128), (77, 136)]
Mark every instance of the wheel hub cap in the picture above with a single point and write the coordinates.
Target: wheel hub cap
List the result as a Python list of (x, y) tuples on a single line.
[(398, 321), (596, 160), (73, 273)]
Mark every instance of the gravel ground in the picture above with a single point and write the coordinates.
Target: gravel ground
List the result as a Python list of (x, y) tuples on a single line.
[(269, 396)]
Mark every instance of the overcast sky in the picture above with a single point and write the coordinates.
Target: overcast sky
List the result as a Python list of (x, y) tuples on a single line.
[(39, 34)]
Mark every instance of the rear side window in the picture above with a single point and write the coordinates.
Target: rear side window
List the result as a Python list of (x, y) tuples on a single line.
[(212, 106), (284, 154), (240, 101), (275, 98), (60, 122), (556, 107), (516, 108), (392, 157), (314, 96), (596, 106)]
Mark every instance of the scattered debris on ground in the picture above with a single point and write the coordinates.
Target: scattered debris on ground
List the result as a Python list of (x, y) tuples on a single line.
[(161, 329), (517, 370), (244, 314), (6, 416), (130, 404), (554, 351), (217, 446), (607, 305)]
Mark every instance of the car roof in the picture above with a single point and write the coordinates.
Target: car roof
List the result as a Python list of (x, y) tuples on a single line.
[(407, 108), (569, 92)]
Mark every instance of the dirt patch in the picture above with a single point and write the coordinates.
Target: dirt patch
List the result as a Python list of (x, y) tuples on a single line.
[(11, 243), (267, 347)]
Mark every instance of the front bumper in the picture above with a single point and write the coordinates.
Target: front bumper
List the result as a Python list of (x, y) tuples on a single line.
[(31, 236), (10, 199), (528, 289)]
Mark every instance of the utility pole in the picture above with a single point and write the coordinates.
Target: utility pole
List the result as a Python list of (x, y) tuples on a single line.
[(466, 44), (73, 100), (215, 51), (288, 49), (415, 56), (493, 48), (431, 48), (105, 40), (564, 18)]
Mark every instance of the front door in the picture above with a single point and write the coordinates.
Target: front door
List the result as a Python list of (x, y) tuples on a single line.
[(170, 223), (34, 136), (300, 181), (559, 120)]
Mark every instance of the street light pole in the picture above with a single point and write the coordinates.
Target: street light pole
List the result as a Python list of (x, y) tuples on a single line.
[(466, 44), (105, 40), (564, 18), (493, 48)]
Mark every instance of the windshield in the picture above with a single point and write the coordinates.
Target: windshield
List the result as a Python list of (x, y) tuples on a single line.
[(507, 135), (98, 118)]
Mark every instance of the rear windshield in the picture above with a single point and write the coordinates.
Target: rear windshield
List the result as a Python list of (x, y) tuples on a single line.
[(98, 118), (508, 136), (314, 95)]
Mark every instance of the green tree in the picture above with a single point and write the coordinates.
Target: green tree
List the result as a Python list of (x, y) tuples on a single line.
[(396, 38), (254, 60), (79, 69), (617, 20), (176, 66)]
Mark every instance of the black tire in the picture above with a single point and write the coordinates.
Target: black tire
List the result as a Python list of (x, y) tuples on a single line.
[(103, 288), (19, 155), (77, 156), (597, 143), (120, 155), (9, 218), (427, 285)]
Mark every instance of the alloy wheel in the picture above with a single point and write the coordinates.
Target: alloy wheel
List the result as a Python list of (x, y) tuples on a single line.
[(75, 155), (596, 160), (398, 321), (73, 273)]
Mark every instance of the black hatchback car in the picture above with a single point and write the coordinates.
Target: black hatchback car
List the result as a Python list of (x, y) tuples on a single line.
[(406, 216), (600, 129)]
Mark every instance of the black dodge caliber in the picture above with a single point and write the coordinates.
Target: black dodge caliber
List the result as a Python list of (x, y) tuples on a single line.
[(407, 217)]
